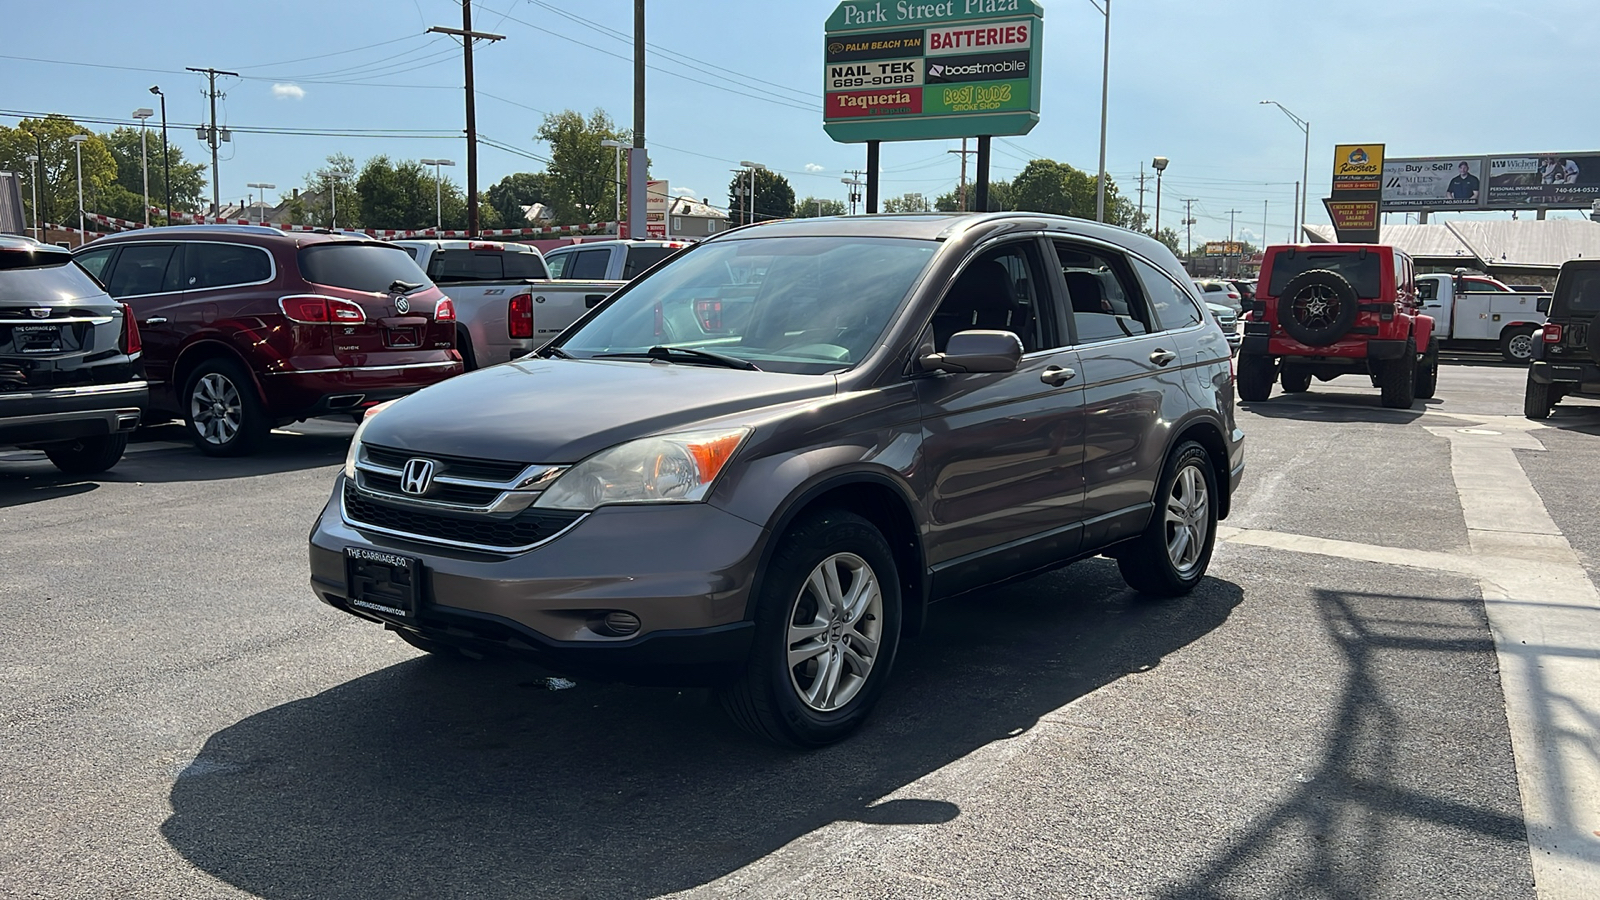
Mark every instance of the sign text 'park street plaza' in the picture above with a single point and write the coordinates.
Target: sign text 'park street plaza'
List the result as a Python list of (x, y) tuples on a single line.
[(903, 11)]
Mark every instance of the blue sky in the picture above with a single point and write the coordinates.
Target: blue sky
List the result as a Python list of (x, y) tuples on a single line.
[(1446, 77)]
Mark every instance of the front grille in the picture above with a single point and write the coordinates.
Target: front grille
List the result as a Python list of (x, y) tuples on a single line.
[(458, 494), (527, 528), (453, 466)]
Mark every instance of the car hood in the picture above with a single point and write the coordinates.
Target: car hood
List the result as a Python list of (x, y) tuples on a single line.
[(560, 411)]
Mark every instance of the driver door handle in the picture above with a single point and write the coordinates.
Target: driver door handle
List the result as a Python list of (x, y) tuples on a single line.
[(156, 320), (1162, 357), (1056, 376)]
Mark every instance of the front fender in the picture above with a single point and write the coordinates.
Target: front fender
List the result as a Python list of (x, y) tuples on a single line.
[(1422, 330)]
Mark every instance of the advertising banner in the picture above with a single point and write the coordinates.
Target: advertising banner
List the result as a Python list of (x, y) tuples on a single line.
[(1438, 182), (1352, 218), (1224, 248), (895, 70), (1553, 180), (1357, 192), (1357, 167)]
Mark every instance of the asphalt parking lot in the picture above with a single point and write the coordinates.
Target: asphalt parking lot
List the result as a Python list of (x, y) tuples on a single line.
[(1326, 717)]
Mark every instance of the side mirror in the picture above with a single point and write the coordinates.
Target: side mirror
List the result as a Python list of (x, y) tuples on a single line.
[(1542, 304), (976, 351)]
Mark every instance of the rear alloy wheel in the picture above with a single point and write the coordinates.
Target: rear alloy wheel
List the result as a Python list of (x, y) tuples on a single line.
[(224, 415), (827, 628), (1254, 378), (1171, 557), (87, 456), (1536, 400), (1516, 344), (1294, 381), (1428, 372), (1397, 378)]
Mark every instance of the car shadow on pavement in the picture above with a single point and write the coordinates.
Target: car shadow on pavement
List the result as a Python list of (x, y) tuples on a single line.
[(1414, 767), (1315, 406), (1582, 418), (447, 778)]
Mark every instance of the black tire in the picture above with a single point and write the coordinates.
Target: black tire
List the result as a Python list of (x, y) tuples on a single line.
[(241, 426), (1397, 378), (1428, 372), (1317, 307), (469, 359), (1254, 377), (1516, 344), (1294, 381), (1147, 563), (766, 699), (87, 456), (1536, 402)]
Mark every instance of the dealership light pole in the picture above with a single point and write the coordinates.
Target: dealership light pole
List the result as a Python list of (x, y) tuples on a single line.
[(166, 152), (143, 113), (438, 189), (1305, 165), (616, 184), (1161, 166), (33, 165), (1105, 80), (261, 214), (754, 167), (77, 144)]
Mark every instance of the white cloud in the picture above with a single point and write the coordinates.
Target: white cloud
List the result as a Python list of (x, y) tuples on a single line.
[(288, 92), (813, 167), (689, 192)]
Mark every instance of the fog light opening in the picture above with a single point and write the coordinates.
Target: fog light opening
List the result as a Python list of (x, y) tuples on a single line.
[(618, 624)]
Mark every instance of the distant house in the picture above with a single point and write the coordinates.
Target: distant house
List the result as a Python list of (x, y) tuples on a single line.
[(690, 218)]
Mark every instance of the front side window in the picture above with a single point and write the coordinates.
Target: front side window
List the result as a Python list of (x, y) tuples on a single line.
[(804, 305), (373, 268), (1173, 306), (221, 265), (143, 269), (1106, 303), (998, 291)]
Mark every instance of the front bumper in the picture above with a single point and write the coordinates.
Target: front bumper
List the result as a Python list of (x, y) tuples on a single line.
[(64, 414), (684, 570)]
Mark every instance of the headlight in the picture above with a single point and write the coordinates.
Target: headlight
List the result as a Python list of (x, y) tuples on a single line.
[(672, 468), (355, 442)]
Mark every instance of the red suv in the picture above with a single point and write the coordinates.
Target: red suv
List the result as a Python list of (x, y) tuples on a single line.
[(1325, 310), (246, 327)]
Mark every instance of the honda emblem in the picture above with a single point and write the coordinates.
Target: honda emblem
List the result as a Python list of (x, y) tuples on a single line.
[(417, 476)]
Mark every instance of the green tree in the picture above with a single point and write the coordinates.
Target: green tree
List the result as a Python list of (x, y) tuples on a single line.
[(396, 195), (999, 197), (334, 181), (188, 179), (582, 173), (811, 207), (1170, 237), (58, 183), (907, 202), (517, 190), (774, 198), (1047, 186)]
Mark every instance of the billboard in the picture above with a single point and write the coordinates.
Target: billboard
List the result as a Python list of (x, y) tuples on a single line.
[(1438, 182), (1224, 248), (1358, 184), (924, 71)]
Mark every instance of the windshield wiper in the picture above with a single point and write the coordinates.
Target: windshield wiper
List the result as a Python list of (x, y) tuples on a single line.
[(402, 287), (553, 350), (677, 354)]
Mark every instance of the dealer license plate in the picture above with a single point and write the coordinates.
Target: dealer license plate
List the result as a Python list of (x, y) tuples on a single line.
[(385, 583), (36, 338)]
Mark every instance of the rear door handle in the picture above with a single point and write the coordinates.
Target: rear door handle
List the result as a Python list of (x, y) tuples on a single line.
[(1056, 376), (1162, 357), (156, 320)]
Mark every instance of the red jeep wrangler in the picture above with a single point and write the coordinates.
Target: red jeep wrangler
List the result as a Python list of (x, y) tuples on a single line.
[(1325, 310)]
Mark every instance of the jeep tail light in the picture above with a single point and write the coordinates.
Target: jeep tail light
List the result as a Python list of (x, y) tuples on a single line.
[(131, 342), (315, 309), (1552, 333), (519, 316), (709, 312), (444, 310)]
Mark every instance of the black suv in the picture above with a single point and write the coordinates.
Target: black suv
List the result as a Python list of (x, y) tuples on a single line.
[(70, 375), (1566, 357)]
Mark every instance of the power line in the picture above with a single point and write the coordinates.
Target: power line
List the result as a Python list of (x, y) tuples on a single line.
[(285, 62), (430, 134)]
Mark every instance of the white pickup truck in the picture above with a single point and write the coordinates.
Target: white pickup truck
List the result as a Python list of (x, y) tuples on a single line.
[(506, 304), (618, 260), (1471, 312)]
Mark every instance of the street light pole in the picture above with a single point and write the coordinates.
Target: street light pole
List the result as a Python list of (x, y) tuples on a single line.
[(616, 182), (33, 163), (1161, 166), (754, 167), (142, 114), (438, 189), (1105, 81), (77, 143), (261, 214), (1305, 164), (166, 152)]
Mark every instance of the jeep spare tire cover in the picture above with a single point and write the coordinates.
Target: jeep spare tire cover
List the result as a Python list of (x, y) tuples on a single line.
[(1317, 307)]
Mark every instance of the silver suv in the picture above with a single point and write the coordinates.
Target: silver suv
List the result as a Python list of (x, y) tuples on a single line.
[(759, 464)]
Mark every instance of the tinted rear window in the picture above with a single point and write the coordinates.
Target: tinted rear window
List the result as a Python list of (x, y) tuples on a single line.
[(641, 258), (1361, 270), (31, 277), (1577, 291), (359, 267)]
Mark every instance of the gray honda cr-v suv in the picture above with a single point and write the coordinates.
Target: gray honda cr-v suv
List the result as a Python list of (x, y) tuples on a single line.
[(757, 465)]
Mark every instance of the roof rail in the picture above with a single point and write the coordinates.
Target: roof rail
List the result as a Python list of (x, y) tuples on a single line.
[(229, 229)]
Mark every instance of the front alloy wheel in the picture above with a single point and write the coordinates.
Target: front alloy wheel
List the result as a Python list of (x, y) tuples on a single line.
[(834, 632), (1188, 519)]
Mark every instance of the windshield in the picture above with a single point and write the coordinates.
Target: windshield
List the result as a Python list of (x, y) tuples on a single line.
[(1360, 269), (804, 305), (1577, 291), (360, 267)]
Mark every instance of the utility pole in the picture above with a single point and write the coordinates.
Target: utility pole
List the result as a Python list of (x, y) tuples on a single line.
[(1188, 230), (1294, 232), (212, 136), (854, 182), (962, 193), (1105, 81), (1263, 225), (1231, 214), (638, 162), (1141, 193), (467, 36)]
